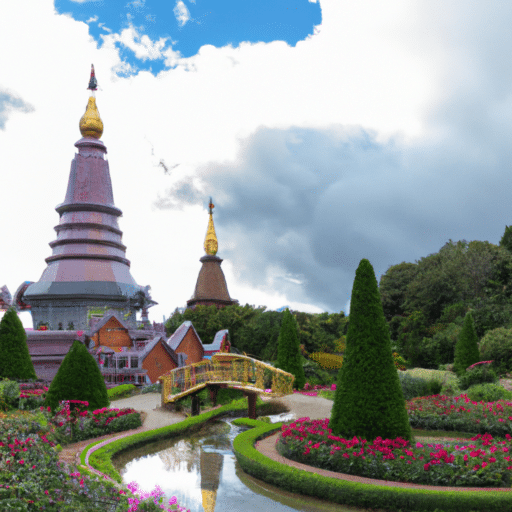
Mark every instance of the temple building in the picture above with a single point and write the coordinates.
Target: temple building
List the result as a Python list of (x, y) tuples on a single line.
[(88, 269), (211, 287)]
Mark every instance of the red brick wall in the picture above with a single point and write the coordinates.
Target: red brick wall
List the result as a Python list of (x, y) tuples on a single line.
[(158, 362)]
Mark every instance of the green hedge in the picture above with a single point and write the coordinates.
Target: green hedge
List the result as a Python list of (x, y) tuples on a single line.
[(355, 493), (121, 391)]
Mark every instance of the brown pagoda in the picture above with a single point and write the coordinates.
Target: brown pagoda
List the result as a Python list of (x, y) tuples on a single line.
[(211, 287), (88, 270)]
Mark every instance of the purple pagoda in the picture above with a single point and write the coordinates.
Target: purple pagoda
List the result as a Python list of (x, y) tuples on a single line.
[(87, 272)]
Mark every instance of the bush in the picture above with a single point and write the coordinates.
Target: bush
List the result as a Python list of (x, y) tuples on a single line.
[(327, 361), (15, 361), (488, 393), (78, 378), (152, 388), (122, 391), (315, 374), (496, 345), (10, 391), (413, 387), (478, 375)]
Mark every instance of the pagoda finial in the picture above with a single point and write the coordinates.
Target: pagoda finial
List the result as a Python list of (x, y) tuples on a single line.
[(211, 245), (91, 124)]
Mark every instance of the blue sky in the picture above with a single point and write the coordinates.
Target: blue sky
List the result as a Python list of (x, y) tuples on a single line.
[(185, 26), (338, 131)]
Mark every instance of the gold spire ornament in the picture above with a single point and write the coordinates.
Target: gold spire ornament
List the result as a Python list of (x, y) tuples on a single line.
[(91, 124), (211, 245)]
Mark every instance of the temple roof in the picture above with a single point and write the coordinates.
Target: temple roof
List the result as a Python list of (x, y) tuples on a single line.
[(91, 124)]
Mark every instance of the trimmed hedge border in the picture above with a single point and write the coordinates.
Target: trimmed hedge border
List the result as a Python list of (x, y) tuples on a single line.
[(351, 493), (100, 458)]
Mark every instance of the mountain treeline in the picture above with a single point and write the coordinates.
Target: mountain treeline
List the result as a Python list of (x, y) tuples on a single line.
[(255, 330)]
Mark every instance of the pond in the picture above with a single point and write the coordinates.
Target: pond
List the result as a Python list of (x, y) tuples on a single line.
[(202, 472)]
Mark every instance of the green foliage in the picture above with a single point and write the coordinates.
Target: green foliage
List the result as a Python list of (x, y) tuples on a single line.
[(488, 393), (506, 239), (10, 391), (412, 330), (393, 288), (413, 387), (369, 401), (496, 346), (152, 388), (478, 375), (466, 348), (315, 374), (289, 358), (121, 391), (15, 362), (78, 378)]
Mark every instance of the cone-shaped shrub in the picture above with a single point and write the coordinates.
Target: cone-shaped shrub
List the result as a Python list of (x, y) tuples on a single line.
[(369, 400), (78, 378), (466, 348), (288, 350), (15, 361)]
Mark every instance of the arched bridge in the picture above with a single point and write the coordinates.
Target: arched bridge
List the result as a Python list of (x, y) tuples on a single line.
[(225, 370)]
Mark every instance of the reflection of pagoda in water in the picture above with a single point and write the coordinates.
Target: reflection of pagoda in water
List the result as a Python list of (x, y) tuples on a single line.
[(211, 467)]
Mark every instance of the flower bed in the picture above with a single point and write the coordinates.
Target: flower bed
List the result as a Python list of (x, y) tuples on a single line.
[(73, 422), (441, 412), (481, 462), (310, 390)]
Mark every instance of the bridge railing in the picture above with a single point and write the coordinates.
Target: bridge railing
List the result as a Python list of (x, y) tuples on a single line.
[(234, 369)]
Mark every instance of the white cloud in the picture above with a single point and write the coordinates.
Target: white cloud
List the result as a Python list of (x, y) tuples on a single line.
[(92, 18), (181, 12), (143, 47), (102, 25)]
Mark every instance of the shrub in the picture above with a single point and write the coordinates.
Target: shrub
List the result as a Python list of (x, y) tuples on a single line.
[(400, 362), (369, 401), (10, 391), (488, 393), (497, 345), (466, 348), (15, 361), (122, 391), (78, 378), (327, 361), (478, 375), (152, 388), (413, 387), (314, 373)]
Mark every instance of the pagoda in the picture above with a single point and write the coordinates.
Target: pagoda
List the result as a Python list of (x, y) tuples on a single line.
[(88, 271), (211, 287)]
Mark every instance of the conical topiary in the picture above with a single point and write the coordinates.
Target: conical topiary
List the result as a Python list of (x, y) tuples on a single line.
[(78, 378), (466, 348), (15, 361), (369, 400), (288, 350)]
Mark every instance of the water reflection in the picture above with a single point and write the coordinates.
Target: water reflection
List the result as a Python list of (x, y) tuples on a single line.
[(201, 471)]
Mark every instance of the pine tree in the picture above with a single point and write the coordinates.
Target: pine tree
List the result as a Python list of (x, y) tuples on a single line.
[(506, 239), (369, 401), (78, 378), (15, 361), (288, 350), (466, 348)]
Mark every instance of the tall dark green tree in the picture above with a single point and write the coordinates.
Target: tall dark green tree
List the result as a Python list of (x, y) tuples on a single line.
[(78, 378), (289, 357), (369, 400), (466, 348), (15, 361), (506, 239)]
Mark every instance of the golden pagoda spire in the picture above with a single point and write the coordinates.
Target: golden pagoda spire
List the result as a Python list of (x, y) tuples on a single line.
[(211, 245), (91, 124)]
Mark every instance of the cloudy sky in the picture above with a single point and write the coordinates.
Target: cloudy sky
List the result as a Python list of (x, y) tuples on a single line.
[(325, 131)]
